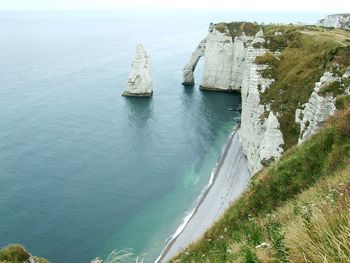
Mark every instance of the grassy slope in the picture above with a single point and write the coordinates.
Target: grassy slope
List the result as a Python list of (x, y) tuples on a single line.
[(282, 206), (306, 53)]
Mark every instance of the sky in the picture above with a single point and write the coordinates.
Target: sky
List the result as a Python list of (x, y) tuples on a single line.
[(326, 6)]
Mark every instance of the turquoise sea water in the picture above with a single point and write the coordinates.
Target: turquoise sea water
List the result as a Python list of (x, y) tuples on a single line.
[(83, 170)]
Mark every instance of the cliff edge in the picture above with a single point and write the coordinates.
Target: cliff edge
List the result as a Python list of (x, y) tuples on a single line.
[(336, 21), (289, 77)]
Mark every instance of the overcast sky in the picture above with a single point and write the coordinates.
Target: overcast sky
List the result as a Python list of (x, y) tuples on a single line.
[(253, 5)]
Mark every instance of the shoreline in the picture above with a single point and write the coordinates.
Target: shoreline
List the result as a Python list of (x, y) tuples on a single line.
[(229, 178)]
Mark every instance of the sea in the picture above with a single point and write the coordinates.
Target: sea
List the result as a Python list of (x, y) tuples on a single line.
[(85, 171)]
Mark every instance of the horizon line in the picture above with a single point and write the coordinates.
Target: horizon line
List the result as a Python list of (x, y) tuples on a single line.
[(147, 9)]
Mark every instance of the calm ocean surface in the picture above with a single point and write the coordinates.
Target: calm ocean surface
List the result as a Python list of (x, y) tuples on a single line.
[(83, 170)]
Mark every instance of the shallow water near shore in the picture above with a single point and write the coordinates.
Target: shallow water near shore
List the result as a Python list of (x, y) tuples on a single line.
[(84, 170)]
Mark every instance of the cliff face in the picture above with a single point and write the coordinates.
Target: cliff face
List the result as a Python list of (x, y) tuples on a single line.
[(140, 78), (321, 105), (316, 110), (260, 135), (232, 64), (337, 21), (224, 56), (218, 63)]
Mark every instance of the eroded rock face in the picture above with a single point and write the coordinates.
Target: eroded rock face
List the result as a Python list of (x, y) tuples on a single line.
[(223, 60), (271, 145), (260, 135), (191, 65), (316, 110), (218, 61), (337, 21), (140, 78), (230, 66), (347, 73)]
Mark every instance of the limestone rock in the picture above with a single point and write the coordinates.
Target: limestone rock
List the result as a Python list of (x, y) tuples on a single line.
[(191, 65), (337, 21), (347, 73), (218, 61), (316, 110), (260, 135), (140, 78), (271, 145), (230, 66), (223, 60)]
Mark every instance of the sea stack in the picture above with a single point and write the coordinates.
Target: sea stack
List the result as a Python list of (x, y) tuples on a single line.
[(140, 78)]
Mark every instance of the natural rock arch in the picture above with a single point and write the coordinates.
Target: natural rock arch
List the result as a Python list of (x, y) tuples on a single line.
[(191, 65)]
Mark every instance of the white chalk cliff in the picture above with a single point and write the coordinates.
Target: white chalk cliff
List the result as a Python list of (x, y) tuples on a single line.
[(316, 110), (260, 135), (230, 66), (223, 60), (337, 21), (313, 113), (140, 78), (218, 61)]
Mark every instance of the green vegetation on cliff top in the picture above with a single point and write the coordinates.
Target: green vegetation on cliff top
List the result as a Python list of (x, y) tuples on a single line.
[(304, 53), (238, 28), (297, 210)]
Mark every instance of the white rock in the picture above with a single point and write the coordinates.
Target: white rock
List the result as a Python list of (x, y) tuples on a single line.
[(271, 145), (224, 60), (140, 78), (347, 73), (263, 245), (337, 21), (230, 65), (316, 110), (191, 65), (261, 138), (240, 48), (218, 61)]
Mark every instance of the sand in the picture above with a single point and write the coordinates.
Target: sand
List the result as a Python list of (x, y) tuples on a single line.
[(230, 178)]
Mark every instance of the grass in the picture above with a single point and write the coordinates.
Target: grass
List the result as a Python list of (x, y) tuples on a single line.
[(17, 254), (305, 54), (335, 88), (322, 233), (269, 221), (122, 256), (237, 28)]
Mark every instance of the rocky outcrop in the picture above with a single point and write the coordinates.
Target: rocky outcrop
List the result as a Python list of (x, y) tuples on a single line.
[(223, 60), (240, 49), (260, 135), (271, 145), (140, 78), (337, 21), (191, 65), (319, 107), (347, 73), (218, 61)]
